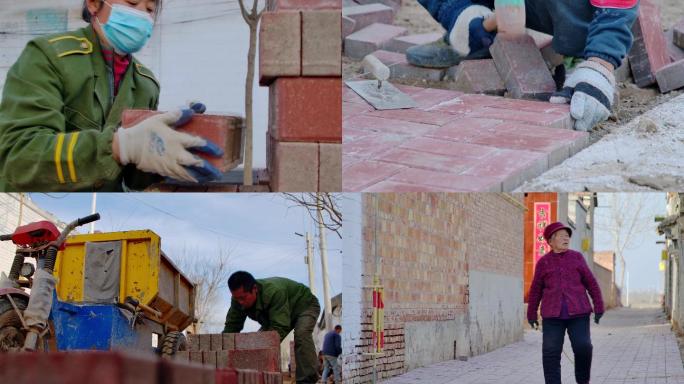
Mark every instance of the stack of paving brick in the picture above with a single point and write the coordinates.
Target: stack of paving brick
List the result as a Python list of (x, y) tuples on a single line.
[(253, 355), (656, 57), (102, 368), (300, 62)]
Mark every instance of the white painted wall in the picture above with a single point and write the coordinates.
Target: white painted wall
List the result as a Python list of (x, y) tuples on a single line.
[(495, 309), (352, 267), (198, 51)]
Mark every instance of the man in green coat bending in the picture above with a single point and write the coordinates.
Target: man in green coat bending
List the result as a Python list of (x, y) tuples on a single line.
[(281, 305), (61, 110)]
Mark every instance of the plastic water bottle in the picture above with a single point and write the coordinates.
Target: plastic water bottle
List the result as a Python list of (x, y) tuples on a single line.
[(510, 18)]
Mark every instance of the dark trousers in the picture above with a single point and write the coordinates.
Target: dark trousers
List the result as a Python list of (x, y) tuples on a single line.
[(552, 347), (306, 357)]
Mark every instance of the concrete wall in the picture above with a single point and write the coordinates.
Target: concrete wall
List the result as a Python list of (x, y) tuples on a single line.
[(352, 289)]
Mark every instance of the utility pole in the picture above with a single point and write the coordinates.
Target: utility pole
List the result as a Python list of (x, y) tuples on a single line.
[(92, 210), (627, 287), (324, 265), (310, 263)]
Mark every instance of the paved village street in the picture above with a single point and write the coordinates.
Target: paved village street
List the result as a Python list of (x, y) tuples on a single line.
[(630, 346)]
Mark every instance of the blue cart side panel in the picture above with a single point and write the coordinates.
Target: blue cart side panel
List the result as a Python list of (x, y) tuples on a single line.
[(93, 327)]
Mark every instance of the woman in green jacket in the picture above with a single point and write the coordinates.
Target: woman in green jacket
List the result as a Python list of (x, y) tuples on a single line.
[(61, 108)]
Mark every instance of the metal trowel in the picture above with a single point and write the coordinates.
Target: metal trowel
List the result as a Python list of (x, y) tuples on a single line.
[(379, 92)]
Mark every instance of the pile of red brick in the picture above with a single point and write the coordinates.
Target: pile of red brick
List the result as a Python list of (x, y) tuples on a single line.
[(300, 62), (656, 57), (247, 356)]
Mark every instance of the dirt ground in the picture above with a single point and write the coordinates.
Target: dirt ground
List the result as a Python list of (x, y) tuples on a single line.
[(633, 101)]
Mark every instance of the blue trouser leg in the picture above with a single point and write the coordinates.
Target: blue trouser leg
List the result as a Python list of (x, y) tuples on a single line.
[(552, 347), (580, 338), (567, 20)]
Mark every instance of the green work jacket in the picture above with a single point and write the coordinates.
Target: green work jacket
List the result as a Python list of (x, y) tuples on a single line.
[(58, 115), (279, 302)]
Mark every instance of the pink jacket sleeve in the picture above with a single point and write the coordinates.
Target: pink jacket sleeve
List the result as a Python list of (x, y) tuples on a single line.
[(592, 286), (535, 294)]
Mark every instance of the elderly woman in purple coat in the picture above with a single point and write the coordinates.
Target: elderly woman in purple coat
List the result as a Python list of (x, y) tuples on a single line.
[(561, 282)]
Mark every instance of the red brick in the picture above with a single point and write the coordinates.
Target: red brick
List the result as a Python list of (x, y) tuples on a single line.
[(216, 341), (330, 171), (352, 109), (205, 342), (448, 148), (544, 119), (78, 367), (259, 359), (389, 58), (182, 355), (392, 186), (430, 98), (294, 166), (306, 109), (402, 43), (228, 341), (362, 174), (649, 51), (321, 43), (280, 49), (678, 34), (676, 53), (250, 376), (183, 373), (273, 378), (522, 68), (373, 145), (385, 125), (424, 160), (348, 26), (413, 115), (209, 358), (531, 106), (365, 15), (277, 5), (463, 129), (224, 131), (401, 69), (478, 76), (196, 356), (516, 140), (394, 4), (429, 179), (671, 76), (512, 166), (257, 340), (370, 39), (226, 376), (222, 359), (193, 342)]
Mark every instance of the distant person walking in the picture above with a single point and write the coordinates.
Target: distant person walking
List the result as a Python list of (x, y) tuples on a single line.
[(561, 282), (332, 349)]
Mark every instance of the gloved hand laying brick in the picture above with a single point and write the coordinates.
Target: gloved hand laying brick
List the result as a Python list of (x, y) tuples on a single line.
[(153, 145), (589, 90)]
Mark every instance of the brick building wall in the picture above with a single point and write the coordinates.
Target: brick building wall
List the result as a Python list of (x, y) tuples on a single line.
[(420, 245)]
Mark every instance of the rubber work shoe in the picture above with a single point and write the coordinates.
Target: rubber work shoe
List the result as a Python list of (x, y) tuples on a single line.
[(440, 54)]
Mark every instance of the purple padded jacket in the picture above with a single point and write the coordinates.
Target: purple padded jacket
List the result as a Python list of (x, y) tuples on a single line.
[(558, 274)]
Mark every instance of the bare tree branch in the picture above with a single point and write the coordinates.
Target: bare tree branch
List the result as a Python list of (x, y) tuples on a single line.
[(329, 202)]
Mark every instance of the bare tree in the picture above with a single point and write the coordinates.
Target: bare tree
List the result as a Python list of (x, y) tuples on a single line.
[(210, 273), (626, 219), (329, 202), (252, 19)]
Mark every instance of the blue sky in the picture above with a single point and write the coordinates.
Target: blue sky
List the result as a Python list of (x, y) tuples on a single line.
[(643, 258), (258, 228)]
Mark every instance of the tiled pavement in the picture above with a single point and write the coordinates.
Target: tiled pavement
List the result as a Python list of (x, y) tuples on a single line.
[(452, 142), (630, 346)]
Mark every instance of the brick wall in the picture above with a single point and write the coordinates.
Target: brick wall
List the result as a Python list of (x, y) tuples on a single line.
[(422, 243)]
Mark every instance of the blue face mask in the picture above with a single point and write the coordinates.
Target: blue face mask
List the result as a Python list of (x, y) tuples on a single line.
[(127, 29)]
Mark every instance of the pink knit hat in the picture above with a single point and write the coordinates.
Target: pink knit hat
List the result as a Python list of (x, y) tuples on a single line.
[(555, 227)]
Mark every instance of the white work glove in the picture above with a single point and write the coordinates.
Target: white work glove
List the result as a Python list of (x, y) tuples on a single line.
[(154, 146), (589, 90)]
